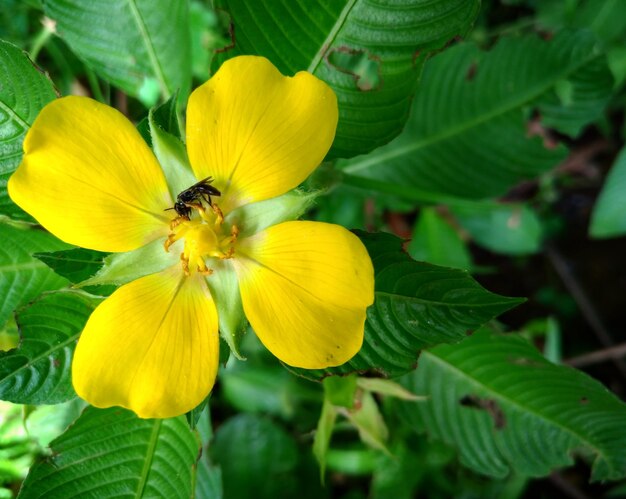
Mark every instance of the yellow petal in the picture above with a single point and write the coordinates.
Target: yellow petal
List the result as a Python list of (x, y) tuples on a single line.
[(151, 347), (257, 132), (89, 178), (305, 287)]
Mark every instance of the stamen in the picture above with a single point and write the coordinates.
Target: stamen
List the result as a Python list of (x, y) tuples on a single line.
[(204, 238)]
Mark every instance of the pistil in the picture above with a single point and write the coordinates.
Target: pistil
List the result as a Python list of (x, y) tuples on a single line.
[(204, 238)]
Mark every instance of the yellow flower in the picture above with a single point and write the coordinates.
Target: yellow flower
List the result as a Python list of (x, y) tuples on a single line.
[(89, 178)]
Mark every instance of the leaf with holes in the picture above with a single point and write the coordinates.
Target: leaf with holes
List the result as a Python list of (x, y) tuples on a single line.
[(469, 132), (38, 371), (499, 402), (416, 306), (22, 277), (370, 54), (24, 90), (141, 46), (113, 453)]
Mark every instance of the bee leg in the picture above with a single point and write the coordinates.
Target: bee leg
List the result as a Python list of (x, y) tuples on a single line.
[(178, 220)]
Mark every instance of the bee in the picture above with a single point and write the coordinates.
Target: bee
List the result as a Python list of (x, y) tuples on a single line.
[(193, 195)]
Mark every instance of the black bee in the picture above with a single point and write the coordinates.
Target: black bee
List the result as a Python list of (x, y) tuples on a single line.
[(202, 190)]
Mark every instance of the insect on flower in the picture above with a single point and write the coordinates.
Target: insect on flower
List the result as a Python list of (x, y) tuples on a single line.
[(192, 197), (253, 135)]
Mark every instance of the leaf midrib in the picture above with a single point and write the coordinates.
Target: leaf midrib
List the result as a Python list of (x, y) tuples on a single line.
[(16, 117), (501, 397), (18, 266), (154, 61), (31, 362), (332, 34), (150, 451), (446, 304), (530, 95)]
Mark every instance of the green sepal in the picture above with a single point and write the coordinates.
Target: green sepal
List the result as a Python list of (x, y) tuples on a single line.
[(255, 217), (165, 115), (120, 268), (172, 155), (224, 288)]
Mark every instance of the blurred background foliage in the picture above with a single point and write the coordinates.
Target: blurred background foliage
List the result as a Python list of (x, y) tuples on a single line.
[(496, 149)]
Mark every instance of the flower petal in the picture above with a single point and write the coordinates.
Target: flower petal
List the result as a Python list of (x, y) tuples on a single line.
[(305, 287), (89, 178), (256, 132), (151, 347)]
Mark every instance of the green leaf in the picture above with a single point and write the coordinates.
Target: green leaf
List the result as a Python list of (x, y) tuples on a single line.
[(507, 409), (511, 229), (257, 458), (370, 54), (416, 306), (369, 422), (208, 476), (249, 387), (608, 218), (23, 277), (323, 435), (133, 44), (436, 241), (387, 388), (604, 17), (468, 134), (113, 453), (340, 390), (75, 265), (38, 371), (24, 90)]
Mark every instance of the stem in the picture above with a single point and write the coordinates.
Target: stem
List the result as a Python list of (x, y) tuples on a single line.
[(94, 85), (584, 303), (40, 40), (598, 356)]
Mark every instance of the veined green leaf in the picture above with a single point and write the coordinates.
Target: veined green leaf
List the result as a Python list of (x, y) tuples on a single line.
[(76, 264), (23, 277), (468, 135), (506, 408), (113, 453), (38, 371), (416, 306), (133, 44), (369, 52), (24, 90)]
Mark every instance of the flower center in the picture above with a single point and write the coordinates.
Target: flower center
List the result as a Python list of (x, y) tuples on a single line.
[(205, 235)]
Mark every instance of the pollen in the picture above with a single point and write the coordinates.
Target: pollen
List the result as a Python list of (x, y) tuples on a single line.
[(205, 236)]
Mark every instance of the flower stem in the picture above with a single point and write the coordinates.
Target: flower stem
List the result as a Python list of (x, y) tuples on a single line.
[(40, 40), (94, 85)]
